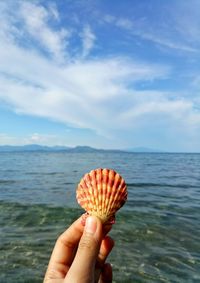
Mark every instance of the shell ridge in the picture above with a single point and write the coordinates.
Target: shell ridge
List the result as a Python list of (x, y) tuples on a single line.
[(104, 189), (119, 199), (115, 188), (94, 190), (89, 193), (99, 187), (115, 191), (120, 195), (111, 191)]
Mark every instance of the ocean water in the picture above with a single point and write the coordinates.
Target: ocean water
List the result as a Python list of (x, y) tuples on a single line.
[(157, 232)]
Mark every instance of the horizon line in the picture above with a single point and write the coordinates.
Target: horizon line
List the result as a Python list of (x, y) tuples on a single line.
[(139, 149)]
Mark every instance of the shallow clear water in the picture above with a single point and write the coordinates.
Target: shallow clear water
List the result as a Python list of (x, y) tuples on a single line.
[(157, 233)]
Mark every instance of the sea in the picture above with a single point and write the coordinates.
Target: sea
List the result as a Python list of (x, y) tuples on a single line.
[(157, 232)]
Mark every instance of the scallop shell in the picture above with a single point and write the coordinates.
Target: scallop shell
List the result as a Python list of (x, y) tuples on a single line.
[(101, 193)]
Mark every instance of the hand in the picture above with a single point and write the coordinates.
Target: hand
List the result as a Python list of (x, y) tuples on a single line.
[(80, 253)]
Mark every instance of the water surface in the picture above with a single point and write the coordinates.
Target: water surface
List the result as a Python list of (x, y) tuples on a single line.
[(157, 232)]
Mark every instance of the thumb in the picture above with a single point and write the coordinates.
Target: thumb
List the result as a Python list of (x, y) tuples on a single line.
[(83, 266)]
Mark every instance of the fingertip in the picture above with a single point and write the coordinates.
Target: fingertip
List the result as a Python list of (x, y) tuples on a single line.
[(105, 228), (108, 243), (85, 216)]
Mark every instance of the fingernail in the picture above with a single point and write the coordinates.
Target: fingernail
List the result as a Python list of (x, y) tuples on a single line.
[(91, 224)]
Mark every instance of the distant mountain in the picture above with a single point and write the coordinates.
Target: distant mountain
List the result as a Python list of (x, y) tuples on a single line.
[(36, 147), (77, 149), (81, 149), (31, 147)]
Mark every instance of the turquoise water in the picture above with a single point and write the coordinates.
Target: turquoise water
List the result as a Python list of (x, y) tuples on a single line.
[(157, 232)]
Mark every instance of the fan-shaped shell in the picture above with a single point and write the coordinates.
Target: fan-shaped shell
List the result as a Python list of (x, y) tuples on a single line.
[(101, 193)]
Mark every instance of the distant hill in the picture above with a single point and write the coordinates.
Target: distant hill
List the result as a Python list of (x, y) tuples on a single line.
[(83, 149), (36, 147), (32, 147), (77, 149)]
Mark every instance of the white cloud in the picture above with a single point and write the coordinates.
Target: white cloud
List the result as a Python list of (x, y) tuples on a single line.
[(43, 139), (53, 10), (168, 42), (175, 109), (34, 138), (124, 23), (88, 40), (36, 19), (71, 94)]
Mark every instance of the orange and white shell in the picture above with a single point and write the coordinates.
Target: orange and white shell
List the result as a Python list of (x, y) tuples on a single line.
[(101, 193)]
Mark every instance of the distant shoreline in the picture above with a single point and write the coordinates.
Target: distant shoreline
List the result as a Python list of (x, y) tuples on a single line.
[(81, 149), (76, 149)]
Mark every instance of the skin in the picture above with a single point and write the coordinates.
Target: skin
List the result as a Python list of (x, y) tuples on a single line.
[(80, 253)]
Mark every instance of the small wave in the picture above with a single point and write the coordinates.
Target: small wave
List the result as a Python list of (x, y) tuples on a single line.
[(161, 185), (143, 185), (7, 181), (45, 173)]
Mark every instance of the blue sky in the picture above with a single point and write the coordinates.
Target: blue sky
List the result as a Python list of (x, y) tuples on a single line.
[(108, 74)]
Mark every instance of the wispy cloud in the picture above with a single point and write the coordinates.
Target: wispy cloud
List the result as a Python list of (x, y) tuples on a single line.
[(186, 16), (36, 19), (37, 138), (177, 29), (88, 40), (34, 138)]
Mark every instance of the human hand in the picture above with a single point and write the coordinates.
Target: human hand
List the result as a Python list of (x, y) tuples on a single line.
[(80, 253)]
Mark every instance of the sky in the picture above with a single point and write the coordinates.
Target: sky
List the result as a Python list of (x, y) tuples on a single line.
[(107, 74)]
